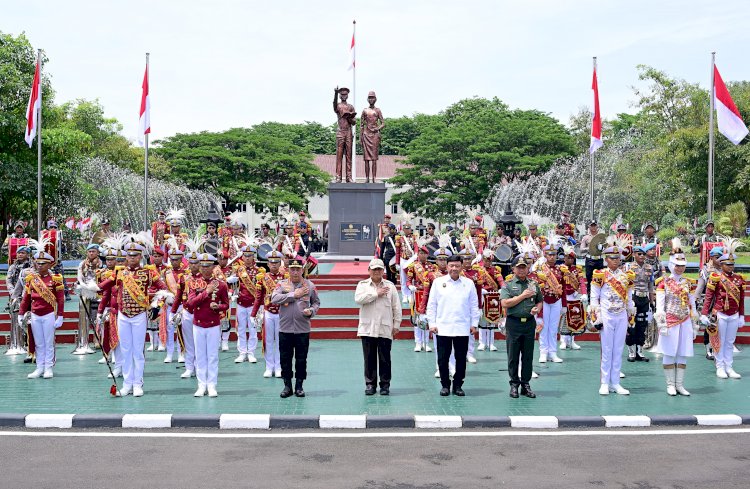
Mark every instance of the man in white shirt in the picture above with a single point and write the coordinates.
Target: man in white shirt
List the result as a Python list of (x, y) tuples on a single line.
[(453, 314)]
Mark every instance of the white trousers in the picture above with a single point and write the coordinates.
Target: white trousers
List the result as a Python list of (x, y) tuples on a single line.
[(271, 338), (470, 351), (612, 339), (170, 335), (548, 335), (405, 292), (43, 329), (207, 343), (187, 336), (132, 332), (487, 337), (728, 326), (246, 327)]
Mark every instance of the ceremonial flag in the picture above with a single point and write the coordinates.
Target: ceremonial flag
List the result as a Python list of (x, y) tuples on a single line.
[(353, 63), (144, 123), (85, 223), (728, 117), (596, 122), (35, 105), (70, 222)]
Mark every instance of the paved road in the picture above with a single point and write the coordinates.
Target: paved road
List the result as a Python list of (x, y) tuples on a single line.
[(637, 462)]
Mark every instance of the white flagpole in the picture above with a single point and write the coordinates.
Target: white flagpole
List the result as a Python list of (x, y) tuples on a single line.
[(39, 153), (711, 142), (591, 183), (354, 100), (145, 165)]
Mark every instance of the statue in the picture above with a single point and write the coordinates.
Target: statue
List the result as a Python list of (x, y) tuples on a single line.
[(372, 124), (346, 119)]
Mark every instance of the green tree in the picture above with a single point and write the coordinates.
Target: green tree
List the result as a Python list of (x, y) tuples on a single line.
[(243, 165), (312, 136), (472, 146)]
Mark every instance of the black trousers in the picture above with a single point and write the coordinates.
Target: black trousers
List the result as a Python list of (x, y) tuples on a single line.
[(377, 352), (390, 275), (519, 343), (460, 346), (637, 334), (294, 345), (591, 265)]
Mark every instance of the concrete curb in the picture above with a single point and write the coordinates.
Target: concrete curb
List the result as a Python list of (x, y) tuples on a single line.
[(238, 421)]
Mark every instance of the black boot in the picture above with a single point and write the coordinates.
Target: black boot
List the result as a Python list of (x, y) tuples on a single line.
[(526, 391), (287, 389), (298, 390), (514, 391)]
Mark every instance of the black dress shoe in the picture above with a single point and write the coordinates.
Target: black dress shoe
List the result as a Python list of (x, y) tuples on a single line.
[(299, 392), (459, 392), (631, 359), (639, 358), (286, 392), (514, 391), (28, 360), (370, 391), (385, 391), (445, 392), (526, 391)]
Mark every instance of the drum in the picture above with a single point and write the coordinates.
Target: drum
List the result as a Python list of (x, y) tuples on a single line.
[(211, 246), (13, 245), (503, 253)]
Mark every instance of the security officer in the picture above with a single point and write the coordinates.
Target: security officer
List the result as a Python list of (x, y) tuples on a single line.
[(388, 251), (643, 296), (522, 299), (594, 261)]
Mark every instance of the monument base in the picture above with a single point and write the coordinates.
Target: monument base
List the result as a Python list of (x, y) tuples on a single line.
[(354, 212)]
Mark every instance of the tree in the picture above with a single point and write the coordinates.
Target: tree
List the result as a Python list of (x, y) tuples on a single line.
[(469, 148), (245, 165), (314, 137)]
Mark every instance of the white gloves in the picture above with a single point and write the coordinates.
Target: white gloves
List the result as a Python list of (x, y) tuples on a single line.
[(564, 309), (485, 291), (664, 331), (233, 279), (704, 320), (27, 317), (412, 288), (176, 318), (58, 321)]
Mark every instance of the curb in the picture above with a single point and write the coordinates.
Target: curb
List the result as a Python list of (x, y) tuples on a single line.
[(236, 421)]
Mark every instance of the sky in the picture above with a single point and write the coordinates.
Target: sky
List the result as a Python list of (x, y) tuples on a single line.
[(233, 63)]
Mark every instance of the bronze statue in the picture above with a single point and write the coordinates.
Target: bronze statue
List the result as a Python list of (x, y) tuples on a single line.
[(347, 117), (372, 124)]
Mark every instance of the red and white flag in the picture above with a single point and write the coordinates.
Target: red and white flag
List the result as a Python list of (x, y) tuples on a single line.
[(144, 123), (727, 116), (35, 105), (85, 223), (353, 63), (70, 222), (596, 122)]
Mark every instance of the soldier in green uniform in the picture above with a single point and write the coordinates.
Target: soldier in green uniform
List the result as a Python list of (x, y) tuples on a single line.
[(522, 299)]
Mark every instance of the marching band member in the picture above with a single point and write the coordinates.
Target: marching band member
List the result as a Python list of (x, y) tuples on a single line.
[(89, 270), (574, 288), (550, 277), (209, 299), (594, 260), (246, 273), (43, 303), (677, 320), (157, 339), (221, 272), (486, 328), (724, 298), (388, 252), (172, 275), (383, 230), (643, 296), (468, 271), (416, 281), (14, 285), (134, 284), (406, 247), (159, 229), (712, 265), (106, 312), (612, 306), (265, 283), (182, 312)]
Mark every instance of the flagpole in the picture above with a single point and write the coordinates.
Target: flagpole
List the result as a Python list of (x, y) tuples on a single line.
[(354, 101), (39, 154), (591, 182), (710, 209), (145, 170)]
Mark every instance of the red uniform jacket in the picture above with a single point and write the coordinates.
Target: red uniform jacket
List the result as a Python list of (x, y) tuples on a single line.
[(574, 279), (43, 295), (247, 287), (200, 301), (134, 285), (726, 293), (264, 285)]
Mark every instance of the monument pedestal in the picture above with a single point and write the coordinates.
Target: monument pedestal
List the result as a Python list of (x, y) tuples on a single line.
[(354, 212)]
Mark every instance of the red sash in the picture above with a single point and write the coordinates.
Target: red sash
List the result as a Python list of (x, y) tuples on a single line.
[(617, 286)]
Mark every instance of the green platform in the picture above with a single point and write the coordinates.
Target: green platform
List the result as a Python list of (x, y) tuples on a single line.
[(335, 386)]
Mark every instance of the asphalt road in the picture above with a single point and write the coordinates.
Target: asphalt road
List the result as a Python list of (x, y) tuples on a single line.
[(628, 462)]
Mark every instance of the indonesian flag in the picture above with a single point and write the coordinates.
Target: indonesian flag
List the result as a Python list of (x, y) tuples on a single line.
[(70, 222), (596, 122), (144, 123), (728, 117), (85, 223), (79, 225), (353, 64), (35, 105)]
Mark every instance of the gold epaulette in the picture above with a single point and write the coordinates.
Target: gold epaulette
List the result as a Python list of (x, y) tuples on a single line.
[(57, 278), (691, 280), (714, 277), (658, 280), (630, 274), (29, 277), (509, 277), (579, 268), (598, 277), (149, 267), (564, 268), (541, 276)]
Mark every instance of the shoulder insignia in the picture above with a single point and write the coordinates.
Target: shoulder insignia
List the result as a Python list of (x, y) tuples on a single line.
[(57, 278), (658, 281), (692, 281), (714, 277), (564, 268), (29, 277), (631, 274), (509, 277), (579, 268), (598, 273), (150, 267)]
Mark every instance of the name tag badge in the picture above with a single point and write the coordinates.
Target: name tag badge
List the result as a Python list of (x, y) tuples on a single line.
[(445, 285), (523, 320)]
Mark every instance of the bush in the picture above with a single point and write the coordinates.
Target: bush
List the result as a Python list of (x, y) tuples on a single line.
[(666, 233)]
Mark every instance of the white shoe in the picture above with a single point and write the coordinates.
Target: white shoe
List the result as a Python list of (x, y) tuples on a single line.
[(225, 346), (251, 358), (735, 349), (405, 300), (126, 389), (493, 348), (268, 374), (168, 359), (181, 358), (35, 374), (417, 347), (480, 347), (471, 359), (681, 390), (187, 374), (161, 348), (534, 375), (721, 373), (277, 373), (620, 390), (150, 347), (88, 349), (117, 372), (201, 391), (102, 360), (622, 375), (79, 351), (543, 358), (240, 358), (563, 345), (556, 359), (671, 390), (212, 391), (574, 345), (427, 348), (437, 373), (730, 372), (137, 391), (604, 390)]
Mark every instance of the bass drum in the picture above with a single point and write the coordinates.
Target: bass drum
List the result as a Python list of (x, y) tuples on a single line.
[(503, 253)]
